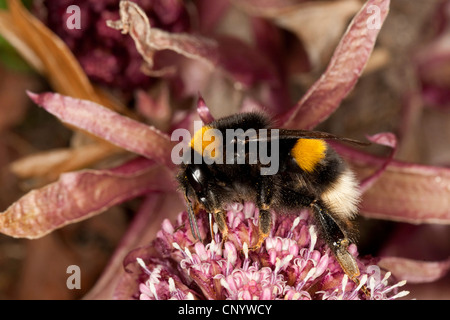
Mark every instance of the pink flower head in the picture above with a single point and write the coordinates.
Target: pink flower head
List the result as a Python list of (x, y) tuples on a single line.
[(293, 263)]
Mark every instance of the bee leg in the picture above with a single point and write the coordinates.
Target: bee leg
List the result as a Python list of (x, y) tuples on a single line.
[(338, 243), (212, 206), (220, 218), (265, 225), (265, 217)]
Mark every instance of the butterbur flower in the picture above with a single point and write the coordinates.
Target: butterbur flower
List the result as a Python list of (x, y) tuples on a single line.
[(293, 264), (107, 57)]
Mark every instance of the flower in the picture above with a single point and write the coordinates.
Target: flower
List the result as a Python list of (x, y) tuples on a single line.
[(293, 264)]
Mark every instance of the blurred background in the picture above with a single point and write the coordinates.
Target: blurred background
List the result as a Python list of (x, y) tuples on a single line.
[(405, 89)]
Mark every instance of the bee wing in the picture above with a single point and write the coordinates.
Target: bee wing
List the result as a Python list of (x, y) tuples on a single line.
[(284, 134)]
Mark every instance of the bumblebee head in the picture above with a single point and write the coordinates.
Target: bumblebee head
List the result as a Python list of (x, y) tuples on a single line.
[(195, 182)]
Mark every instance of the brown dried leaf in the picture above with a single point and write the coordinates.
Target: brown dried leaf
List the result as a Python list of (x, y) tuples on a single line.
[(79, 195), (149, 40), (145, 225), (404, 192), (60, 66), (49, 55), (50, 164), (121, 131), (387, 139), (415, 271), (318, 24), (155, 106), (343, 71)]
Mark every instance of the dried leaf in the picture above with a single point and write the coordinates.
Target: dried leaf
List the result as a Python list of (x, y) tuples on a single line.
[(432, 62), (13, 35), (210, 13), (387, 139), (156, 110), (343, 71), (404, 192), (235, 58), (244, 64), (50, 164), (79, 195), (50, 55), (149, 40), (318, 24), (415, 271), (13, 102), (203, 111), (60, 66), (148, 220), (267, 8), (39, 164), (106, 124)]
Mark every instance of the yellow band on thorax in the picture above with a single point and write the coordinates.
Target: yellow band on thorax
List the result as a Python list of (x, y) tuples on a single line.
[(202, 140), (308, 152)]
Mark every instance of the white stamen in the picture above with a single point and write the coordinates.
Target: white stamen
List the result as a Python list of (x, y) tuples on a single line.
[(400, 294), (400, 284), (188, 253), (245, 249), (281, 263), (177, 246), (172, 287), (386, 276), (313, 234), (310, 274), (225, 284), (189, 296), (344, 284), (295, 223), (362, 282), (141, 263), (143, 266), (153, 290)]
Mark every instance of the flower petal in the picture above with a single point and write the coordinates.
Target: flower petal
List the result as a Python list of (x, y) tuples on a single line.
[(80, 195), (343, 71), (108, 125)]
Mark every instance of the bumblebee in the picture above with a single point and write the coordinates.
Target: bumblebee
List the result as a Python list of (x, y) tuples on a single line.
[(310, 174)]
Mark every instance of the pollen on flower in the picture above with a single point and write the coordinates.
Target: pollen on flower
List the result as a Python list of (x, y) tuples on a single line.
[(293, 264)]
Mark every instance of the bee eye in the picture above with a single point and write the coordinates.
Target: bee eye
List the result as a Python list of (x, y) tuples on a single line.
[(196, 179)]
